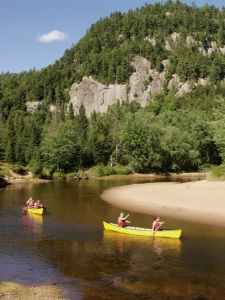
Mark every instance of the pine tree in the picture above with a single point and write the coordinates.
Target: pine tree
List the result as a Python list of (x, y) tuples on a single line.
[(10, 140)]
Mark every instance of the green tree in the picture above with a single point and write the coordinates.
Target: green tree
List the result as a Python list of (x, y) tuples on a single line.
[(218, 127), (82, 128), (99, 139), (140, 139), (19, 142), (57, 148), (188, 140), (177, 151), (10, 140), (2, 140), (70, 112)]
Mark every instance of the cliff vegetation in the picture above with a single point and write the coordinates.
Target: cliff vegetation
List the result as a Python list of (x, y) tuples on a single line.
[(177, 127)]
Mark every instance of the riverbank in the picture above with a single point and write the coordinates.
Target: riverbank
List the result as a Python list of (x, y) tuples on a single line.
[(10, 177), (16, 178), (199, 201), (12, 291)]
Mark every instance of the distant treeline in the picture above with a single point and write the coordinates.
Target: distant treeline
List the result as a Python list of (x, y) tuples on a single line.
[(169, 134)]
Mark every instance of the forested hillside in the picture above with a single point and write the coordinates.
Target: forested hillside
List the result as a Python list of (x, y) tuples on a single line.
[(169, 134)]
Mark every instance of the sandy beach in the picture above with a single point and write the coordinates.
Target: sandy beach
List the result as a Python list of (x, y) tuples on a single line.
[(199, 201)]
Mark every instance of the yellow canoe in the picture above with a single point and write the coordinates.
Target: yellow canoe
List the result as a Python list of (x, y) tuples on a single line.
[(38, 211), (166, 233)]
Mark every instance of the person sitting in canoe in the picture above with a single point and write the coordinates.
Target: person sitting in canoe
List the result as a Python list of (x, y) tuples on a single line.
[(122, 220), (31, 204), (156, 224), (29, 201), (38, 204), (28, 204)]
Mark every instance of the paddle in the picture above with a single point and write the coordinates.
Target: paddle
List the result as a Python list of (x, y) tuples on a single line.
[(153, 232), (129, 220)]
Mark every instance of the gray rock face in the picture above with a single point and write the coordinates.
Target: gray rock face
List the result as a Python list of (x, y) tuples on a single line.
[(96, 96), (143, 84), (139, 81), (32, 106)]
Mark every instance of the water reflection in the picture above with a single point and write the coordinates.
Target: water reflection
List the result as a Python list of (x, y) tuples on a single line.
[(125, 264), (158, 245), (69, 247), (33, 224), (167, 245)]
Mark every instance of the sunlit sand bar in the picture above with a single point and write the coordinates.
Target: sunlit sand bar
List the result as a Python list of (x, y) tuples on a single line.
[(199, 201)]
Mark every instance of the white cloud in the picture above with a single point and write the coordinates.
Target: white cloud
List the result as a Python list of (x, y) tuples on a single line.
[(54, 35)]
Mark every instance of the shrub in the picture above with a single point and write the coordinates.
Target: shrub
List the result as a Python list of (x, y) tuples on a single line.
[(19, 170), (217, 172), (123, 170), (102, 170)]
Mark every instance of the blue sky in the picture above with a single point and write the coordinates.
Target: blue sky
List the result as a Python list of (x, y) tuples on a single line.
[(35, 33)]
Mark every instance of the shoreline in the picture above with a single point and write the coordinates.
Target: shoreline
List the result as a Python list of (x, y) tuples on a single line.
[(29, 179), (12, 291), (197, 201)]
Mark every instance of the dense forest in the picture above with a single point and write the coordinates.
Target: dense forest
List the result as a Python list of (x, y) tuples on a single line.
[(169, 134)]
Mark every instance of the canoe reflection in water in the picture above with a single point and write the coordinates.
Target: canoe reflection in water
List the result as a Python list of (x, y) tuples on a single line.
[(33, 224), (155, 244)]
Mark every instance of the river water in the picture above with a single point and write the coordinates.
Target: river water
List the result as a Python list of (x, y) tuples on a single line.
[(68, 247)]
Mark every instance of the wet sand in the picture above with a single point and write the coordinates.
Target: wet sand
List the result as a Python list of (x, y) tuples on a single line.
[(199, 201)]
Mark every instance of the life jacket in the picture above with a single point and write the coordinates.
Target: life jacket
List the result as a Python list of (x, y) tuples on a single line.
[(121, 223), (157, 226)]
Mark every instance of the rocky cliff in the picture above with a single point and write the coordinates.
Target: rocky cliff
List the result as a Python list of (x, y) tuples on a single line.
[(97, 97), (144, 83)]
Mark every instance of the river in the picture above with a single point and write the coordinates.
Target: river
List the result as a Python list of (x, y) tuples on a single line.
[(68, 247)]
